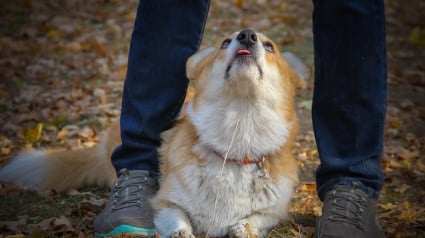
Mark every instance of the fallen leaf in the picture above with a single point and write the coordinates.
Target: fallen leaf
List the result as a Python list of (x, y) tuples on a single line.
[(403, 188), (420, 166), (388, 206), (62, 133), (34, 134), (406, 104), (54, 34), (56, 223), (417, 36), (239, 3), (309, 187), (100, 94), (407, 154), (407, 212), (317, 211), (5, 150), (86, 132)]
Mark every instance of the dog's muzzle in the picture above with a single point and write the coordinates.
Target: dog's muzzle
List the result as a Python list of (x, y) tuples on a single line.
[(247, 50)]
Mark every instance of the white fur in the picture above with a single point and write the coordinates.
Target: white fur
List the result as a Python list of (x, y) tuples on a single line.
[(238, 201), (28, 168), (169, 220), (260, 129)]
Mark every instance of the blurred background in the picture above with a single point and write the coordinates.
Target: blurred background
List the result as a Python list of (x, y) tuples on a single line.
[(62, 66)]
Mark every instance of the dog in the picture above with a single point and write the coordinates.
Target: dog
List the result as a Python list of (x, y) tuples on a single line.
[(226, 166)]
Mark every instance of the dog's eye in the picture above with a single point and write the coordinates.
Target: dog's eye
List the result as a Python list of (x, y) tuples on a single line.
[(268, 46), (225, 43)]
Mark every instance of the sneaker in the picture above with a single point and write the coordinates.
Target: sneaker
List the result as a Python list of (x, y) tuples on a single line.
[(348, 212), (128, 211)]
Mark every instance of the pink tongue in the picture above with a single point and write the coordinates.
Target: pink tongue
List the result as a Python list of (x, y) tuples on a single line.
[(244, 52)]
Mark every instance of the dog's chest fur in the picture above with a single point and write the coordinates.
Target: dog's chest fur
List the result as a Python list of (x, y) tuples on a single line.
[(237, 189), (240, 128), (216, 194)]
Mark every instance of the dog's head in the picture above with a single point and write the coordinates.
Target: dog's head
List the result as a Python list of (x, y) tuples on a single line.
[(248, 65), (243, 80)]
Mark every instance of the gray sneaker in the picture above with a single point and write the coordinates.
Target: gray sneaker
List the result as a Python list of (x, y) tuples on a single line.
[(348, 212), (128, 210)]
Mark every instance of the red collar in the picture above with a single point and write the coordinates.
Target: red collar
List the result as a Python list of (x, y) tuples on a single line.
[(245, 160)]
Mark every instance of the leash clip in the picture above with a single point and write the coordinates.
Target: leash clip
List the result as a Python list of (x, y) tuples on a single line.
[(261, 171)]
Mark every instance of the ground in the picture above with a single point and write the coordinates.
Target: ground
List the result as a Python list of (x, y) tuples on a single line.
[(62, 67)]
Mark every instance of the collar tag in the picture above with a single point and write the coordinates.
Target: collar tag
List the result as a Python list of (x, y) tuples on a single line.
[(261, 171)]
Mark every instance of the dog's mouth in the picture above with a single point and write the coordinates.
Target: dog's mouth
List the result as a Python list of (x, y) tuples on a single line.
[(244, 57), (243, 52)]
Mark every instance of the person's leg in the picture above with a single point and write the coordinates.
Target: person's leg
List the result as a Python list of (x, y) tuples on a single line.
[(350, 91), (165, 34), (350, 94)]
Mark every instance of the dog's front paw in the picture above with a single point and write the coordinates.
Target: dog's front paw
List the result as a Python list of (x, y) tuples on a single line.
[(241, 230), (182, 234)]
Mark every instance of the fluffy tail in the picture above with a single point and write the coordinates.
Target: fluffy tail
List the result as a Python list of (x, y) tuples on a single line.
[(64, 170)]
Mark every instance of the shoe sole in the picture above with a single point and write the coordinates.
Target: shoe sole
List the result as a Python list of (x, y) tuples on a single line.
[(129, 231)]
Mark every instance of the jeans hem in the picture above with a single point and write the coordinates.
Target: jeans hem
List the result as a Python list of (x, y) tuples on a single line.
[(346, 181)]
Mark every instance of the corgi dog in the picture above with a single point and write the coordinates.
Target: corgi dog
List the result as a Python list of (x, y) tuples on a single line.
[(226, 166)]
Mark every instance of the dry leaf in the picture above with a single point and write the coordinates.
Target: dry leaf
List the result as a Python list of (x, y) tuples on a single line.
[(388, 206), (86, 132), (407, 154), (62, 133), (100, 94), (239, 3), (417, 36), (34, 134), (54, 34), (403, 188), (56, 223), (5, 150), (309, 187), (407, 212)]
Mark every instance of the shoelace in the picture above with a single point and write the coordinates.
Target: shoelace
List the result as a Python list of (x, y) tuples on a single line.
[(348, 208), (128, 193)]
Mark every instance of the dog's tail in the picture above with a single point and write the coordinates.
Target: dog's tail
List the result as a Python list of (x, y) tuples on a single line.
[(64, 170)]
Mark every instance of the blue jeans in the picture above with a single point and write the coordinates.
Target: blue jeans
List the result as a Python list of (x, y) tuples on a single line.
[(165, 34), (349, 97)]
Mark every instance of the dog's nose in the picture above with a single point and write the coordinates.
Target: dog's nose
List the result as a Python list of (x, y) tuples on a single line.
[(247, 37)]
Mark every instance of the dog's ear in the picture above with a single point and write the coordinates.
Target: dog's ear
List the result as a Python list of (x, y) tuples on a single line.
[(196, 63), (296, 79), (299, 72)]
